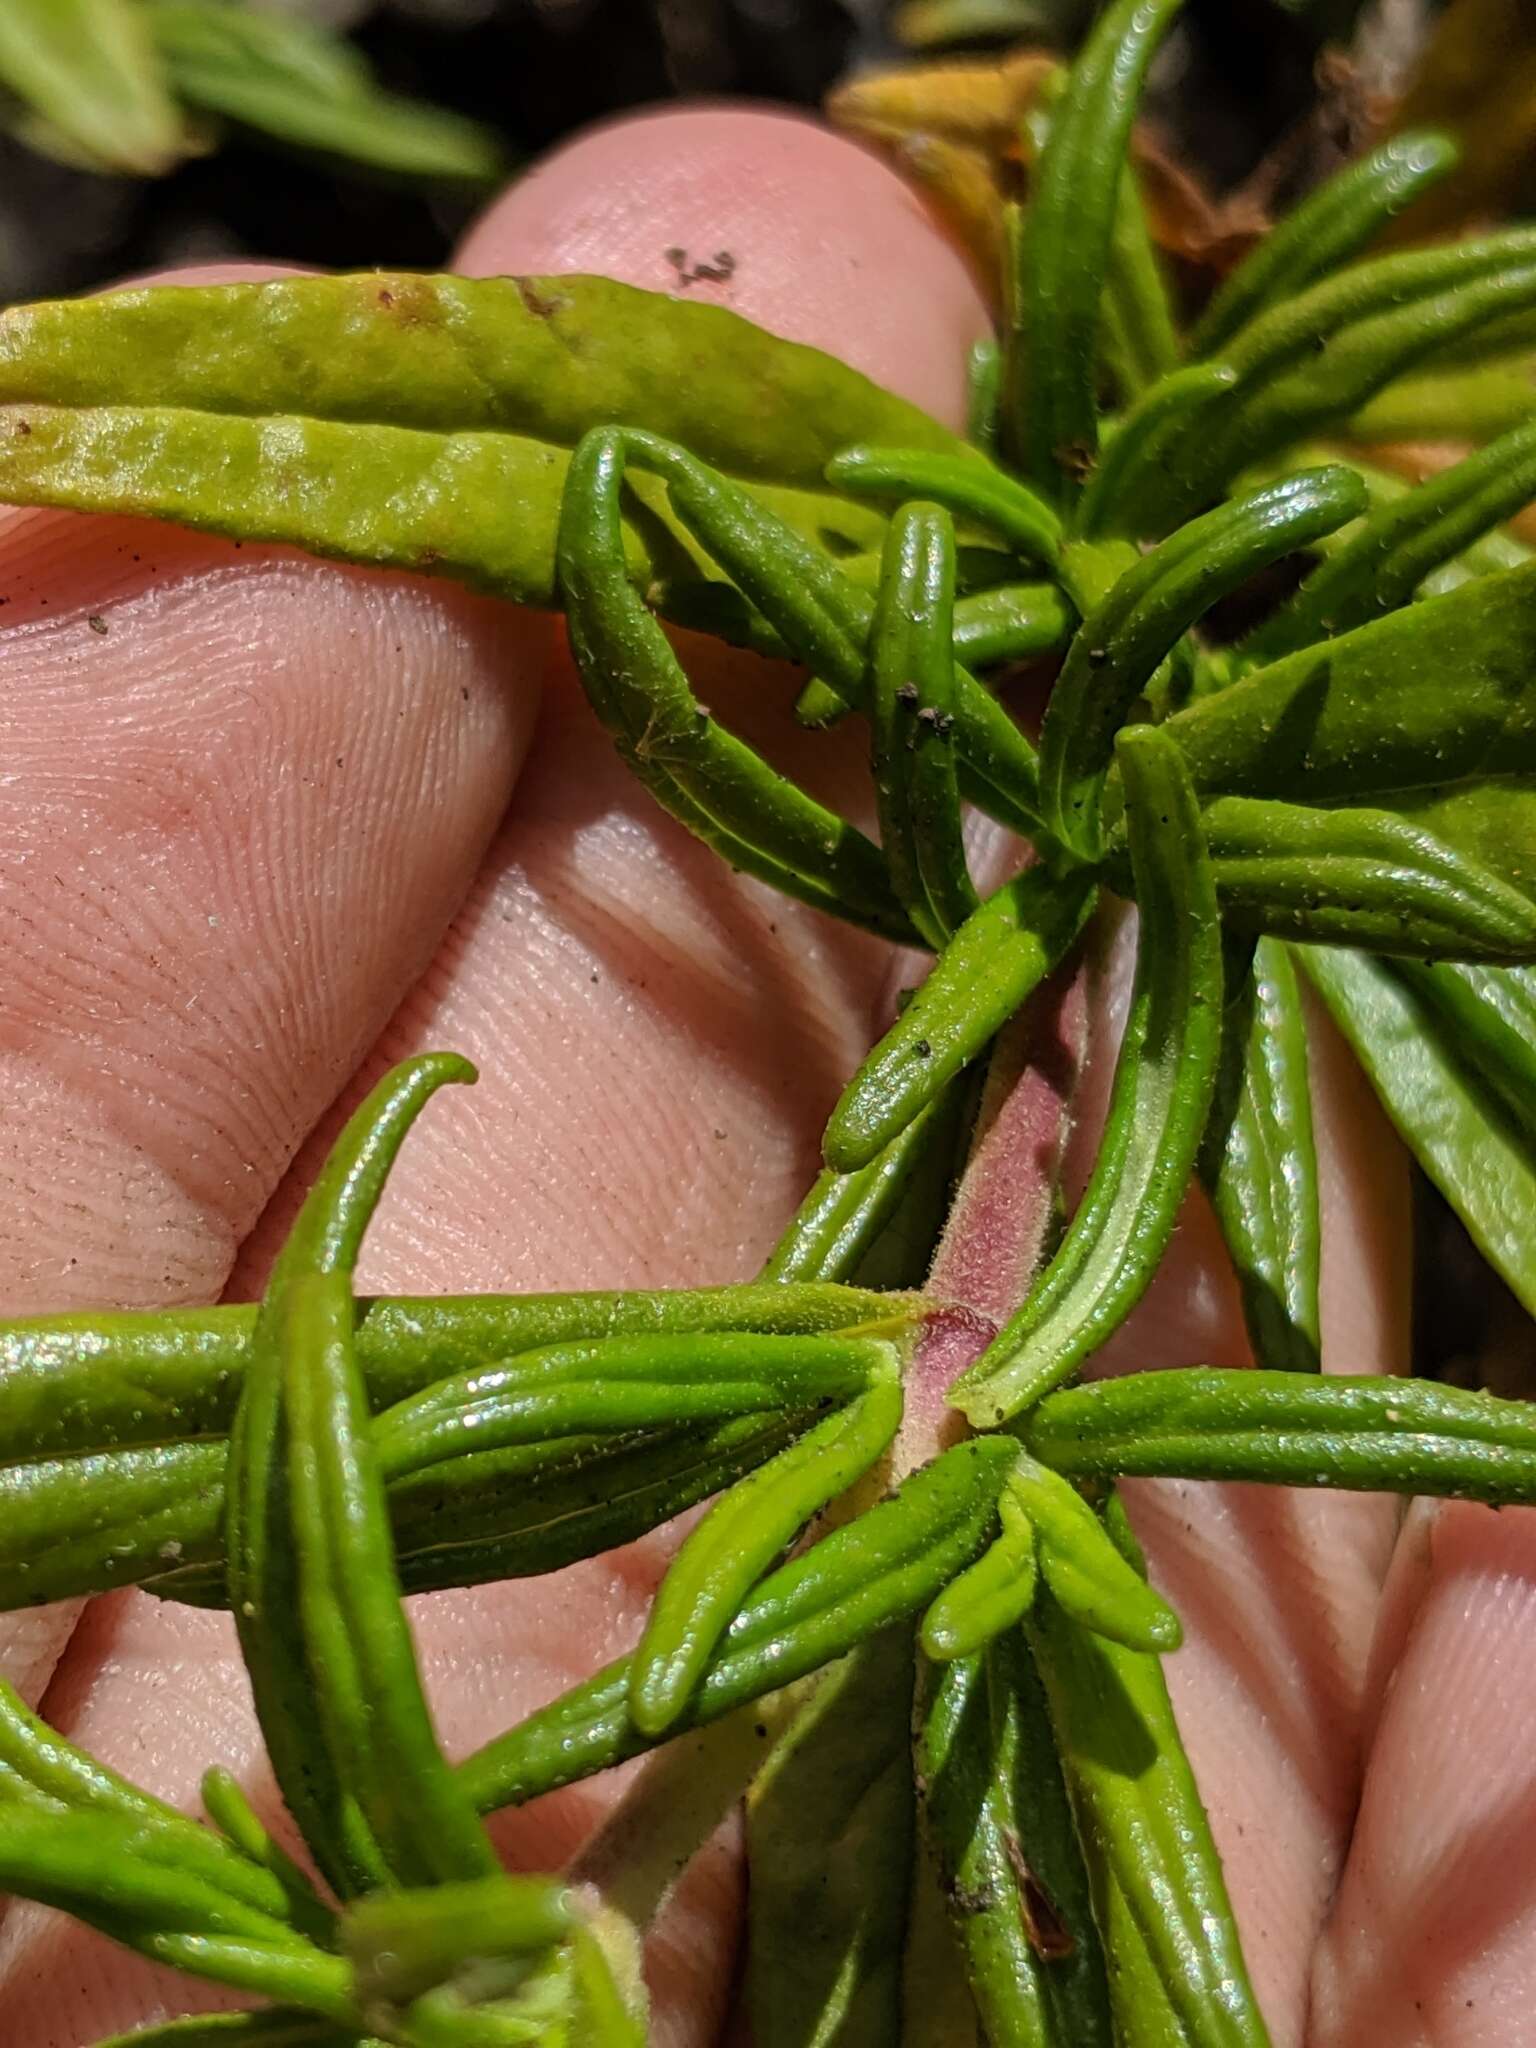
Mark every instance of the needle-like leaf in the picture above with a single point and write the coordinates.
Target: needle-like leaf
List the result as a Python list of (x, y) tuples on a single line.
[(1004, 949), (1053, 344), (1121, 642), (912, 718), (299, 1482), (1259, 1159), (1162, 1092), (1338, 220)]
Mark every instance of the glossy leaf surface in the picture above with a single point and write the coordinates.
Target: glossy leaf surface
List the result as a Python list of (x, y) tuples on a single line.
[(1286, 1429), (1368, 717), (995, 1812)]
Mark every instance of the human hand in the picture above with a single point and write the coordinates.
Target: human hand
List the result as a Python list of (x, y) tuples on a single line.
[(250, 844)]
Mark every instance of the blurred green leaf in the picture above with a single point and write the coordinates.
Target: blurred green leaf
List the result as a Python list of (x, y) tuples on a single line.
[(87, 74), (308, 88), (831, 1826), (935, 24)]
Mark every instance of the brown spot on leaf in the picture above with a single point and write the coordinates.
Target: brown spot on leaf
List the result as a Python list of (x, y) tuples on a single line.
[(1044, 1928), (536, 302)]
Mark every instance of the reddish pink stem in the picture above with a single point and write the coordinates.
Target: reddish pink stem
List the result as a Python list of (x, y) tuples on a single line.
[(998, 1229)]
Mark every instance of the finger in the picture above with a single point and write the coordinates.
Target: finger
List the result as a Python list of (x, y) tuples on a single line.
[(1277, 1590), (659, 200), (659, 1043), (1432, 1938), (227, 847)]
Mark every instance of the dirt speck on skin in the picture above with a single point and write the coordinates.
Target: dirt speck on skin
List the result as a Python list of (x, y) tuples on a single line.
[(718, 269), (97, 623)]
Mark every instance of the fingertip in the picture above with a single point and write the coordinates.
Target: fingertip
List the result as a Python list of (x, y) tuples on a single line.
[(764, 211)]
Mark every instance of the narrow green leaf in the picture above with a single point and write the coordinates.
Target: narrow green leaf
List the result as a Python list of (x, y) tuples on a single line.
[(823, 617), (1014, 622), (1319, 356), (89, 68), (1492, 1013), (1367, 717), (401, 1944), (1401, 544), (1053, 342), (1131, 449), (1050, 1535), (1144, 1831), (80, 1525), (83, 1381), (1259, 1160), (1121, 642), (1004, 949), (1356, 876), (740, 1537), (1337, 221), (830, 1837), (1287, 1429), (36, 1761), (1139, 339), (912, 720), (710, 781), (261, 1969), (621, 1384), (983, 394), (229, 1810), (423, 423), (305, 86), (357, 1641), (995, 1812), (879, 1569), (964, 485), (844, 1214), (990, 1596), (1082, 1569), (265, 1568), (1456, 1125), (1164, 1079), (1469, 405), (103, 1868)]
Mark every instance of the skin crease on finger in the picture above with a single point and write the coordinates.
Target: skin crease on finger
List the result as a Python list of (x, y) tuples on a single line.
[(659, 1044), (1433, 1934), (244, 794)]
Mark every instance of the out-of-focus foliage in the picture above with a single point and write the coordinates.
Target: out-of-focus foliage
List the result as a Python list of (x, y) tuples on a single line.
[(1477, 80), (135, 86)]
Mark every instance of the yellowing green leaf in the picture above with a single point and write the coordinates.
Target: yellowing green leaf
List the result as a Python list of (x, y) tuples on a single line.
[(425, 423)]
